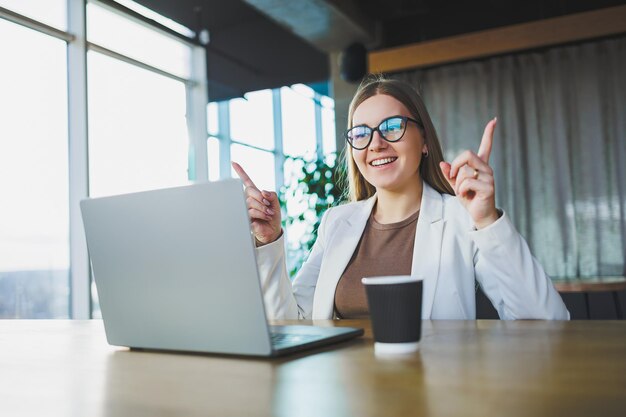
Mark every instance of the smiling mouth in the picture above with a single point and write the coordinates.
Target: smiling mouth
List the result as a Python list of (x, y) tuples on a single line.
[(382, 161)]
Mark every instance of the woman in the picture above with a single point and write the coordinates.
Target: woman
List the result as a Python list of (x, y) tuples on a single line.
[(410, 213)]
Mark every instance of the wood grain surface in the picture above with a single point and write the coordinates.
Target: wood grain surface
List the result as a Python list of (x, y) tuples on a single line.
[(593, 284), (465, 368)]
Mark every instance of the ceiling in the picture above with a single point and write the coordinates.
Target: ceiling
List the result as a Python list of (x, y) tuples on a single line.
[(256, 44)]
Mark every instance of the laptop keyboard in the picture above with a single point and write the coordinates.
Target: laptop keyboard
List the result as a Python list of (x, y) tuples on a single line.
[(283, 340)]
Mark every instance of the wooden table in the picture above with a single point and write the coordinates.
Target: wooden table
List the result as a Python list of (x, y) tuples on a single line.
[(464, 368)]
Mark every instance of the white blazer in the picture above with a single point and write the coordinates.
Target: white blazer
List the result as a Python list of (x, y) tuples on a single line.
[(449, 254)]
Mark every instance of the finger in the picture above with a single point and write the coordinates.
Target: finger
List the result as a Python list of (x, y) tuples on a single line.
[(270, 195), (255, 214), (272, 198), (257, 195), (484, 151), (477, 186), (252, 203), (242, 174), (445, 169), (467, 172), (471, 159), (464, 173)]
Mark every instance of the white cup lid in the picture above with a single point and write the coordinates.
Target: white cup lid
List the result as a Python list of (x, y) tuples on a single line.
[(392, 349)]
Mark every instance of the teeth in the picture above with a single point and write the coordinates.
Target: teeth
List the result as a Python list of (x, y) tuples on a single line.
[(382, 161)]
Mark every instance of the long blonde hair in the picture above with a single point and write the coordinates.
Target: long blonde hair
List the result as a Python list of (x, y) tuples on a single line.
[(357, 186)]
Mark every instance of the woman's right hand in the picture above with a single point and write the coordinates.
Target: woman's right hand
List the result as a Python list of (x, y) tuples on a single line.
[(263, 209)]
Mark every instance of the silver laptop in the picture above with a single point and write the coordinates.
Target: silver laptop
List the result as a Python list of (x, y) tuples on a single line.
[(175, 269)]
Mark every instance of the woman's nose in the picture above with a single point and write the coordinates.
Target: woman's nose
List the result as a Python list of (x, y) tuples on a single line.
[(377, 141)]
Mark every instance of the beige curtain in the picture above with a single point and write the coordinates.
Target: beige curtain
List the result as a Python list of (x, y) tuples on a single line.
[(559, 150)]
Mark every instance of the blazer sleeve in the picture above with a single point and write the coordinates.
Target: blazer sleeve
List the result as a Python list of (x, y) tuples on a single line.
[(511, 277), (284, 299)]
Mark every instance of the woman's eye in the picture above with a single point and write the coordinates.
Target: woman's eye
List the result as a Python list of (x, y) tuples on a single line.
[(393, 125), (360, 133)]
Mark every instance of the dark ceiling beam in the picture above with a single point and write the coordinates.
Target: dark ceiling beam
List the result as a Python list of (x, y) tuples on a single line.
[(329, 25), (247, 51)]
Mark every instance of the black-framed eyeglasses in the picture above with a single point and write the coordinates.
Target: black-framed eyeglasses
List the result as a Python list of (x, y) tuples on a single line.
[(391, 129)]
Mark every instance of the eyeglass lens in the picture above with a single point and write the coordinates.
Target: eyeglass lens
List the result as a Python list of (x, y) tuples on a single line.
[(390, 129)]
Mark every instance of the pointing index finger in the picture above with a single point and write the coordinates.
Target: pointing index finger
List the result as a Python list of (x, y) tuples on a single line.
[(242, 174), (484, 151)]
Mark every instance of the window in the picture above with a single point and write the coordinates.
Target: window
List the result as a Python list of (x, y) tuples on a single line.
[(328, 125), (212, 119), (213, 156), (261, 130), (34, 230), (136, 40), (141, 135), (138, 136), (254, 135), (258, 164), (251, 120), (50, 12), (298, 115)]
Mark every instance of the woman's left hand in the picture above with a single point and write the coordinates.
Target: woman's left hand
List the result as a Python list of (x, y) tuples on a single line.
[(471, 177)]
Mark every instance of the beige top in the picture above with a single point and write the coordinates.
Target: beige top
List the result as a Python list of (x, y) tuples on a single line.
[(384, 249)]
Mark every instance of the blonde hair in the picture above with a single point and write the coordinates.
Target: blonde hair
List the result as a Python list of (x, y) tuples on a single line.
[(357, 186)]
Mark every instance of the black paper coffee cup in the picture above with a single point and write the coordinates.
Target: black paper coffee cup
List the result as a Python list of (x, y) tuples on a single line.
[(395, 305)]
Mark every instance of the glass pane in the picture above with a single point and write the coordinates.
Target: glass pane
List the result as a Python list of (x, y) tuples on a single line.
[(298, 123), (304, 90), (251, 119), (328, 130), (138, 137), (297, 232), (258, 164), (212, 118), (213, 153), (137, 40), (50, 12), (34, 220), (327, 102)]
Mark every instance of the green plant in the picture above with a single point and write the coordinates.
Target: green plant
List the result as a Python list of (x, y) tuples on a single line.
[(311, 188)]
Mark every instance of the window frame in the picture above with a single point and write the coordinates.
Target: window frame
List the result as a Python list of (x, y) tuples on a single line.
[(80, 302)]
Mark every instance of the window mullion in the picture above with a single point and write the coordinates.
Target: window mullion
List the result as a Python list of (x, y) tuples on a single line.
[(279, 156), (197, 102), (223, 115), (80, 305), (319, 138)]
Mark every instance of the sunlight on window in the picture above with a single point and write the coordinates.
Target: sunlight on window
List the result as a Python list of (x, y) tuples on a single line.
[(138, 140), (329, 141), (34, 225), (258, 164), (303, 90), (298, 114), (251, 120), (50, 12), (213, 154), (137, 40), (212, 119)]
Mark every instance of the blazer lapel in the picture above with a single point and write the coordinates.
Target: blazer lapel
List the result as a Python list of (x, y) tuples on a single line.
[(338, 253), (427, 248)]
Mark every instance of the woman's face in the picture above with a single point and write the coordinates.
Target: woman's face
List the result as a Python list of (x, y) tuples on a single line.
[(385, 165)]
